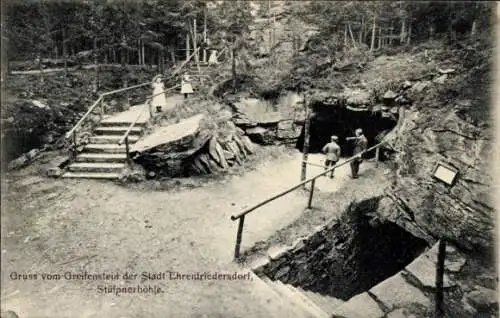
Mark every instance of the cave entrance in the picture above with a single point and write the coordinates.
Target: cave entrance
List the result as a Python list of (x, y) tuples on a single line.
[(328, 120), (350, 256)]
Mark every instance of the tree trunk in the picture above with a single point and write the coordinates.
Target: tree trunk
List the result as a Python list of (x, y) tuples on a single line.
[(361, 30), (205, 36), (188, 49), (270, 36), (379, 38), (391, 31), (345, 35), (233, 67), (374, 28), (408, 39), (65, 52), (160, 61), (139, 57), (473, 29), (96, 67), (40, 68), (123, 61), (192, 29), (352, 35), (172, 54), (403, 31), (143, 53), (273, 28), (305, 149)]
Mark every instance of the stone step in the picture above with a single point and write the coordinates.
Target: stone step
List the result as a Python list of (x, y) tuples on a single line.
[(101, 157), (301, 307), (360, 306), (263, 291), (312, 306), (284, 301), (106, 148), (327, 303), (96, 167), (91, 175), (117, 130), (112, 139)]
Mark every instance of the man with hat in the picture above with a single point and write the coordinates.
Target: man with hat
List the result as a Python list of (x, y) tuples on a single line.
[(360, 145), (332, 152)]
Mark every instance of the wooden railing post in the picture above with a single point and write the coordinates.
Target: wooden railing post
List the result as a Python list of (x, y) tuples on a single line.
[(150, 102), (74, 144), (238, 238), (377, 156), (103, 111), (439, 279), (311, 193), (127, 149)]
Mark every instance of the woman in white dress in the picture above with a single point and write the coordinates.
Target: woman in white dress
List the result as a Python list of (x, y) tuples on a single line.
[(159, 99), (186, 87), (212, 60)]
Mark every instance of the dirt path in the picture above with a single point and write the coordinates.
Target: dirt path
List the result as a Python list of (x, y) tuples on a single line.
[(78, 225)]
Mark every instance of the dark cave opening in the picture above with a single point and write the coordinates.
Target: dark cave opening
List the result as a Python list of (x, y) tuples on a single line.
[(328, 120), (349, 256), (378, 251)]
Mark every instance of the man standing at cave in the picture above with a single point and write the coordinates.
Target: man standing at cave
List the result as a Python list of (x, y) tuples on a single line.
[(332, 152), (360, 145)]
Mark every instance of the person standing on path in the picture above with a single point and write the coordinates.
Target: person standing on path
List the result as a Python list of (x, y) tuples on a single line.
[(332, 152), (159, 100), (360, 145), (186, 87)]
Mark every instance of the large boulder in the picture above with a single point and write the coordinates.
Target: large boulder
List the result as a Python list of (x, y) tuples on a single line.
[(172, 138)]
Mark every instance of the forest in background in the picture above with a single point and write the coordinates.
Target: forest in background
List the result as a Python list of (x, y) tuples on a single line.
[(63, 33), (159, 31)]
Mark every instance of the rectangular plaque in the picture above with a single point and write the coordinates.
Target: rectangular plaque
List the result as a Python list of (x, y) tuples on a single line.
[(445, 173)]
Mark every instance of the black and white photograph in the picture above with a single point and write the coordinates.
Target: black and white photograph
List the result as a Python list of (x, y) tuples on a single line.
[(245, 159)]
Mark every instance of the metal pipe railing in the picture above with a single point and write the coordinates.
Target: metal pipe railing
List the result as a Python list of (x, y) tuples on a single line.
[(241, 215)]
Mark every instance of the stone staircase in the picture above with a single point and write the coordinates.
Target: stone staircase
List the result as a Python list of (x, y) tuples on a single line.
[(305, 303), (102, 157)]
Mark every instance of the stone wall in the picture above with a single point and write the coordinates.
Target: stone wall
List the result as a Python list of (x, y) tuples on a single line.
[(345, 256)]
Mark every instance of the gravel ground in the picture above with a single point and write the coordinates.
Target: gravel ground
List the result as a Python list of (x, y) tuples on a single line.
[(58, 226)]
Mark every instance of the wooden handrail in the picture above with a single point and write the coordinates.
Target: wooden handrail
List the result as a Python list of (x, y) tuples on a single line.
[(241, 216), (125, 135), (125, 89), (220, 53), (274, 197), (101, 96), (69, 133)]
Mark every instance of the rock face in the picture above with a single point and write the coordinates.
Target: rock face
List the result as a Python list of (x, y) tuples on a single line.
[(462, 213), (482, 300)]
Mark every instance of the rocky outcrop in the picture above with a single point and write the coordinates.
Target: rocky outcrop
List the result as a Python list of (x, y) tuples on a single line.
[(194, 146), (462, 213)]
